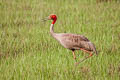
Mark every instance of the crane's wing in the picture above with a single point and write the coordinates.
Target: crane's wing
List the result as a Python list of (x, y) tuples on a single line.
[(71, 40), (74, 41), (74, 37)]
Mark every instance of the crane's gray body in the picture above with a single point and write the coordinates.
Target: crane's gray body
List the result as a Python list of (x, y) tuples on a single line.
[(73, 41)]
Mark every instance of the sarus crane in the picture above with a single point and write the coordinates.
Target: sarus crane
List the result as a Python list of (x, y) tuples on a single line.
[(72, 41)]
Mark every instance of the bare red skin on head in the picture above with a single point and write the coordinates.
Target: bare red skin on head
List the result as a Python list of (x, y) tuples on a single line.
[(54, 18)]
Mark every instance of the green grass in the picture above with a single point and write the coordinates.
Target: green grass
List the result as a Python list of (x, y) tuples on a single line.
[(28, 51)]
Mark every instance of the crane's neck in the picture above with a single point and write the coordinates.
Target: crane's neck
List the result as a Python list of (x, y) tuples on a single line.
[(52, 28)]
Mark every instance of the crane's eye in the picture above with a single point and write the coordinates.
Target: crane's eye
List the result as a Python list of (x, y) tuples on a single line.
[(53, 17), (50, 16)]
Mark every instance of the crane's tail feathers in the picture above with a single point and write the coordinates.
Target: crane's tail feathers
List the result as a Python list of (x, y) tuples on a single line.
[(92, 47), (89, 46), (95, 51)]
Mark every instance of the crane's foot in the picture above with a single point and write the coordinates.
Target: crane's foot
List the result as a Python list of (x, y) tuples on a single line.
[(76, 63), (83, 59)]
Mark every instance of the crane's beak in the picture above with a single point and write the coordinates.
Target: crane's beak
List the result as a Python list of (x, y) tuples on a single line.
[(45, 19)]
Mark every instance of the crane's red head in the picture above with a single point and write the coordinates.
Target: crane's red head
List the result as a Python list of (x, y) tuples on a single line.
[(53, 17)]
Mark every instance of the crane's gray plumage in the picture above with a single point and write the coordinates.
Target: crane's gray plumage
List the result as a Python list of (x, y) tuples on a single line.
[(73, 41)]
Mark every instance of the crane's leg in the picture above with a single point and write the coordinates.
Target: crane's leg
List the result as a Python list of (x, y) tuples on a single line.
[(73, 51), (90, 54)]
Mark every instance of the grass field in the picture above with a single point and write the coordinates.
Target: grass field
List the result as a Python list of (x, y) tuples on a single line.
[(28, 51)]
